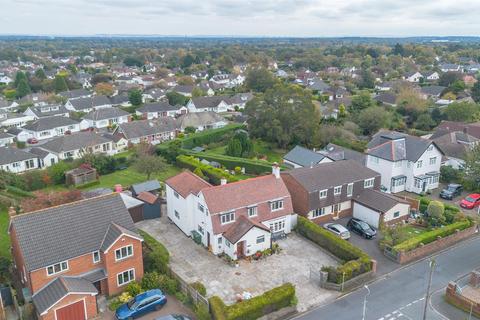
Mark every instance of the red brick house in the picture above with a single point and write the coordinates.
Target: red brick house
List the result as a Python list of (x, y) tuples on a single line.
[(67, 255)]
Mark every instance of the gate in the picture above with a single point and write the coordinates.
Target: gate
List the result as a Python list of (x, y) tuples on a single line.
[(6, 295)]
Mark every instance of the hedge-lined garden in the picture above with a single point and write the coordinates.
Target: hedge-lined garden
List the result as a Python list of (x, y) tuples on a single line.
[(271, 301), (355, 260), (214, 175), (210, 136)]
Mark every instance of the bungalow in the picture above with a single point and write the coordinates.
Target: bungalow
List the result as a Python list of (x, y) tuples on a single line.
[(184, 90), (432, 76), (77, 145), (106, 117), (88, 104), (201, 121), (75, 94), (49, 127), (14, 120), (47, 111), (45, 158), (450, 67), (433, 92), (237, 219), (387, 98), (154, 94), (300, 157), (5, 79), (6, 139), (93, 249), (214, 103), (16, 161), (413, 76), (120, 100), (153, 132), (160, 110), (8, 106)]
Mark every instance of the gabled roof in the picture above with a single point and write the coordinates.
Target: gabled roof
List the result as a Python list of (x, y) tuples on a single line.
[(77, 93), (63, 232), (197, 119), (90, 102), (331, 174), (187, 182), (208, 102), (377, 200), (336, 153), (396, 146), (105, 113), (114, 231), (60, 287), (39, 152), (240, 227), (49, 123), (303, 156), (433, 90), (39, 113), (142, 128), (75, 141), (183, 88), (472, 129), (387, 98), (10, 155), (161, 106), (147, 197)]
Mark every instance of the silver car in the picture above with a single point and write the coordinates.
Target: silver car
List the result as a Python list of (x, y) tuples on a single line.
[(338, 229)]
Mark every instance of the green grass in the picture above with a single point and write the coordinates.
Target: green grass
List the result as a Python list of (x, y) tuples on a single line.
[(414, 231), (260, 148), (4, 237)]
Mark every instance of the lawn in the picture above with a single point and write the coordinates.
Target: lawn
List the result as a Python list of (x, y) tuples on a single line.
[(4, 237)]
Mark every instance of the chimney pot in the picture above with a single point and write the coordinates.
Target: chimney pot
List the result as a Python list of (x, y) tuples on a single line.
[(276, 170), (223, 181), (118, 188)]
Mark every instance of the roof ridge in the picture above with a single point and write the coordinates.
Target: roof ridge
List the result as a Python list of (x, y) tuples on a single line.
[(240, 181)]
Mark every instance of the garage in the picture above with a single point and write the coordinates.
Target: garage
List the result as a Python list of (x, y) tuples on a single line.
[(74, 311), (368, 215)]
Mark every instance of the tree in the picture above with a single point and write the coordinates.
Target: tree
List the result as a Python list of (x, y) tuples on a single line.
[(398, 50), (367, 80), (60, 84), (259, 79), (424, 122), (133, 61), (372, 119), (186, 61), (234, 148), (472, 167), (40, 74), (361, 101), (462, 111), (411, 104), (284, 115), (23, 89), (437, 115), (19, 76), (457, 86), (186, 80), (447, 78), (190, 130), (476, 92), (197, 92), (135, 97), (175, 98), (101, 77), (148, 165), (104, 89), (435, 213)]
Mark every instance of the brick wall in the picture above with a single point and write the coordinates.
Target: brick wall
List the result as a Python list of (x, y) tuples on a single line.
[(461, 302), (442, 243), (90, 304)]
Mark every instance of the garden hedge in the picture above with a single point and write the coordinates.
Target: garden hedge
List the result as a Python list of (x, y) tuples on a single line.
[(251, 166), (271, 301), (450, 210), (433, 235), (156, 257), (209, 136), (213, 174), (356, 260)]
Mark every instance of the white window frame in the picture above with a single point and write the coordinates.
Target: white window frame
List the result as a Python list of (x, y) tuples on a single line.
[(177, 214), (433, 160), (252, 211), (131, 278), (419, 164), (63, 267), (127, 255), (337, 190), (276, 205), (99, 257), (260, 239), (322, 194), (228, 217), (368, 183), (201, 208), (318, 212), (349, 189)]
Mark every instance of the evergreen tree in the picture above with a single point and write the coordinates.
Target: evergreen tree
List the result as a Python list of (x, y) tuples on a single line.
[(476, 92), (135, 97), (40, 74), (23, 88), (19, 77), (59, 84)]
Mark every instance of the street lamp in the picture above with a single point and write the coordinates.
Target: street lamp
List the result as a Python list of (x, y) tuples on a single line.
[(365, 302)]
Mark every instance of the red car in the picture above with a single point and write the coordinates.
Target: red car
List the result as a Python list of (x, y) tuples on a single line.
[(470, 201), (32, 141)]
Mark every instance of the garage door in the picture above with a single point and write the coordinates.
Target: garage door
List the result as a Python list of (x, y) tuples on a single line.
[(368, 215), (75, 311)]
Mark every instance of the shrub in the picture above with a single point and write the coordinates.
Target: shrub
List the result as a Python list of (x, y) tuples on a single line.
[(251, 166), (356, 261), (36, 180), (271, 301), (133, 288), (19, 192), (435, 213), (209, 136), (201, 312), (167, 284), (57, 171), (200, 288), (214, 174), (238, 170), (449, 174), (151, 280), (156, 257), (433, 235)]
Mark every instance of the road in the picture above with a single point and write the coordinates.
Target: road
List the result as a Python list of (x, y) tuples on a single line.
[(400, 295)]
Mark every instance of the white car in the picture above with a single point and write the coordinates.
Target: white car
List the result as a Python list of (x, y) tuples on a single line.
[(338, 229)]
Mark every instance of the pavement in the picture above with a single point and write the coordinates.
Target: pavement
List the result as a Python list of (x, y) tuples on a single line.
[(299, 262), (400, 295)]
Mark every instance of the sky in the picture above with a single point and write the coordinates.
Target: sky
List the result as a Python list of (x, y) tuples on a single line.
[(302, 18)]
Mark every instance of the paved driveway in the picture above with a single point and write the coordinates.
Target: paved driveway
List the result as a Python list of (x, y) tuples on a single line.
[(194, 263)]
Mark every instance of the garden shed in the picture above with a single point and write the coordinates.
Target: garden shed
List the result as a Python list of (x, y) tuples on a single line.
[(81, 175)]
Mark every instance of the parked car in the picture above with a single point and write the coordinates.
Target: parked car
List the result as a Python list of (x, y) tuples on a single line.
[(362, 228), (174, 317), (451, 191), (470, 201), (32, 141), (141, 304), (338, 229)]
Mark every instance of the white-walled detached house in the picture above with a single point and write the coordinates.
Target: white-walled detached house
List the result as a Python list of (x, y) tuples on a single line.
[(45, 128), (214, 103), (77, 145), (160, 109), (88, 104), (153, 132), (238, 218), (106, 117), (201, 121), (16, 161), (47, 111), (6, 139), (414, 76), (405, 162)]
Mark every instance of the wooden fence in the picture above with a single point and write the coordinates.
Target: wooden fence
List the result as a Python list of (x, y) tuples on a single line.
[(189, 290)]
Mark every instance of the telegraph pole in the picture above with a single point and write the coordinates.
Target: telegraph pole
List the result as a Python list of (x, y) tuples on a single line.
[(427, 296)]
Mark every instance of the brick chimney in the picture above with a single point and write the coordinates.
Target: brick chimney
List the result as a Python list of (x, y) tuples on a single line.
[(276, 170)]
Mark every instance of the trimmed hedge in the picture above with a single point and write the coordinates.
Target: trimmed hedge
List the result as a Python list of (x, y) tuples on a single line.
[(213, 174), (156, 257), (251, 166), (19, 192), (356, 261), (271, 301), (209, 136), (433, 235)]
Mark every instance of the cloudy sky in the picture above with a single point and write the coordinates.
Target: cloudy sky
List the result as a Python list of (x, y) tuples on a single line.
[(241, 17)]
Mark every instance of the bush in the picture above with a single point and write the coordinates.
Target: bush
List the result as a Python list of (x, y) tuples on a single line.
[(200, 288), (435, 214), (36, 180), (251, 166), (156, 256), (19, 192), (449, 174), (433, 235), (214, 174), (356, 261), (151, 280), (133, 288), (201, 312), (57, 171), (271, 301)]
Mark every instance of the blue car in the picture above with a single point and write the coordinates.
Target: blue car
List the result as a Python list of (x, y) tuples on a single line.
[(141, 304)]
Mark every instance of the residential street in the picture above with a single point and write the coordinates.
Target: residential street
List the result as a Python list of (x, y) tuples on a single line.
[(400, 295)]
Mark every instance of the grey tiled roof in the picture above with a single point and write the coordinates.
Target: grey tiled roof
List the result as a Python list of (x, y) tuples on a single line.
[(90, 102), (150, 185), (209, 102), (49, 123), (77, 93), (10, 155), (377, 200), (105, 113), (39, 113), (433, 90), (336, 153), (39, 152), (196, 119), (60, 233), (74, 141), (114, 231), (142, 128), (303, 157), (53, 292), (161, 106)]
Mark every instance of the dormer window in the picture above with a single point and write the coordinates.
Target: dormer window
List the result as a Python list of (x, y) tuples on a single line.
[(252, 211), (337, 190), (276, 205), (323, 193), (368, 183), (57, 268), (227, 217)]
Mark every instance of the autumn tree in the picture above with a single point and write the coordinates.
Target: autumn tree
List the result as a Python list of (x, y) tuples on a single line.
[(149, 164), (104, 89)]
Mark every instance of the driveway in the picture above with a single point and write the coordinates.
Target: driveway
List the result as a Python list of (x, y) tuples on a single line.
[(293, 264), (384, 265)]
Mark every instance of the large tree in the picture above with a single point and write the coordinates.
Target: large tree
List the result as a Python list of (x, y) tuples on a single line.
[(372, 119), (23, 88), (476, 92), (472, 167), (462, 111), (60, 84), (104, 89), (259, 79), (284, 115), (135, 97), (148, 165)]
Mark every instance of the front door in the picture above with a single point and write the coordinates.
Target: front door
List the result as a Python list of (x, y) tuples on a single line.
[(208, 240), (424, 186), (241, 249), (336, 210)]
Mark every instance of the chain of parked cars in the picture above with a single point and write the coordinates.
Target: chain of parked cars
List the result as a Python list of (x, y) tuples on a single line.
[(358, 226)]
